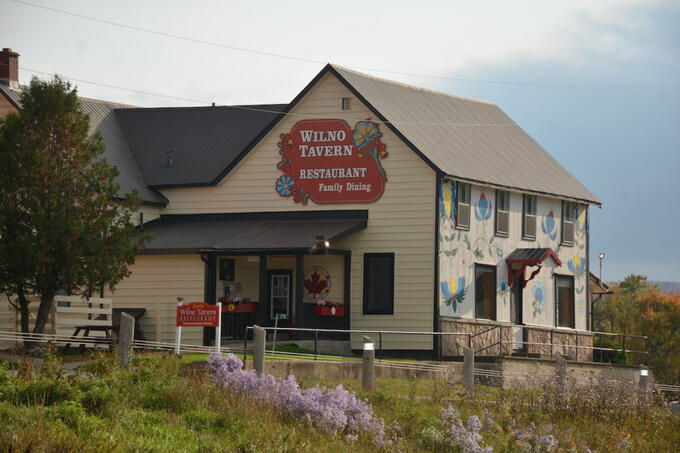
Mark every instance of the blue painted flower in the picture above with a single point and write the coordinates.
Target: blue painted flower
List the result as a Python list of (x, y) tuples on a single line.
[(447, 197), (548, 225), (503, 288), (365, 132), (483, 208), (453, 292), (539, 298), (577, 265), (499, 252), (284, 186)]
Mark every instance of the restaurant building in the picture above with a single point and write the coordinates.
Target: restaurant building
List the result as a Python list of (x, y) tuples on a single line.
[(364, 203)]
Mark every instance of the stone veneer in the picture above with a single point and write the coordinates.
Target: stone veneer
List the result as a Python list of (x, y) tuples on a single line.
[(489, 333)]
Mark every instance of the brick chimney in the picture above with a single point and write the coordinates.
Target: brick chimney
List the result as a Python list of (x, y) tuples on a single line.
[(9, 68)]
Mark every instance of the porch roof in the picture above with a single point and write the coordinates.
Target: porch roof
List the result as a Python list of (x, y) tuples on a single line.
[(250, 232)]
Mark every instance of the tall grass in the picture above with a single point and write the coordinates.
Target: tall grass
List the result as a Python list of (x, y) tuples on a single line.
[(160, 404)]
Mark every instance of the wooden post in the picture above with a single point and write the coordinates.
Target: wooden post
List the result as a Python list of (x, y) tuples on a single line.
[(259, 338), (469, 370), (126, 336), (367, 369)]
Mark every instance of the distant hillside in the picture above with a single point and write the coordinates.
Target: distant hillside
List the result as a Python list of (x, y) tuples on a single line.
[(667, 287)]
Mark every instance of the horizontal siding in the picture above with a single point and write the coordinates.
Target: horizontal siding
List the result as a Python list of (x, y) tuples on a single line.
[(155, 284), (402, 221)]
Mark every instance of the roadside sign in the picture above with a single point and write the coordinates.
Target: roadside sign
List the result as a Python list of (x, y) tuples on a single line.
[(198, 314)]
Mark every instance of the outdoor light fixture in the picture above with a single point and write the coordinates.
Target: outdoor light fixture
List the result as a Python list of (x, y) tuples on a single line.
[(601, 257), (323, 241)]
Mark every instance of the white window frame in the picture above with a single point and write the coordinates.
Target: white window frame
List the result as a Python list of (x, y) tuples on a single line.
[(463, 188)]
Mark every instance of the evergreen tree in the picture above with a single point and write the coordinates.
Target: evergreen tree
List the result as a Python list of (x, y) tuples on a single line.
[(60, 224)]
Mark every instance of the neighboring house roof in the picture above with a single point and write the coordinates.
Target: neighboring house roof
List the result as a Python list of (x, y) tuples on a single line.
[(290, 231), (464, 138), (117, 152), (202, 141)]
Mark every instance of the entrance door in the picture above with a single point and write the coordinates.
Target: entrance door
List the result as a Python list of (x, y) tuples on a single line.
[(516, 310), (280, 294)]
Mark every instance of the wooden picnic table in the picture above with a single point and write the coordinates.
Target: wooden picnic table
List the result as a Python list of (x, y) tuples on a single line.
[(107, 330)]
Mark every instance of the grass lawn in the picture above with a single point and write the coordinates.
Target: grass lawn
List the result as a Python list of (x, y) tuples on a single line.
[(161, 404)]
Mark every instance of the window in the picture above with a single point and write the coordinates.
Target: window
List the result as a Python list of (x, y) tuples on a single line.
[(345, 103), (485, 291), (463, 206), (227, 269), (502, 212), (569, 214), (378, 283), (564, 301), (529, 217)]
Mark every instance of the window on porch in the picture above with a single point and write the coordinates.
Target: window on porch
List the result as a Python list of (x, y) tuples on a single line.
[(378, 283)]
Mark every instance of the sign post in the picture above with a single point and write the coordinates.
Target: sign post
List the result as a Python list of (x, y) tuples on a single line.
[(197, 314), (218, 329), (178, 329)]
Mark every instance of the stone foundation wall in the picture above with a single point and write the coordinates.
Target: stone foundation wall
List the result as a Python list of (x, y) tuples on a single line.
[(486, 339), (572, 344)]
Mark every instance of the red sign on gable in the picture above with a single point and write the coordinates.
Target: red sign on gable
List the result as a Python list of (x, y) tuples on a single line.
[(328, 162), (198, 314)]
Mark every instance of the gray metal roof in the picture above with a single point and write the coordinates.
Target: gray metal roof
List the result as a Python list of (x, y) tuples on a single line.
[(528, 254), (466, 138), (203, 141), (117, 152), (103, 120), (238, 232)]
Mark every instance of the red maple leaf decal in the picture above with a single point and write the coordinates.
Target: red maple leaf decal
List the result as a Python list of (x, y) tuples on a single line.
[(315, 284)]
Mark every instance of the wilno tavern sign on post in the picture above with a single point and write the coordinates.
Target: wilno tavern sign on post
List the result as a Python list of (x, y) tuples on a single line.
[(328, 162)]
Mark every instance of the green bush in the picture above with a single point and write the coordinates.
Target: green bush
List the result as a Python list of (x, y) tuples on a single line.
[(608, 356)]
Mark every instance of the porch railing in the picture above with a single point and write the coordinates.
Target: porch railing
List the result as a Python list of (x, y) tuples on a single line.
[(503, 348)]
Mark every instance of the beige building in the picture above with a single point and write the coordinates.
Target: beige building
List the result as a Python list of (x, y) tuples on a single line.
[(362, 204)]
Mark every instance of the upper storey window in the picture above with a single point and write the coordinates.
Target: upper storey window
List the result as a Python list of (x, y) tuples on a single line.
[(502, 213), (569, 214), (529, 217), (463, 206)]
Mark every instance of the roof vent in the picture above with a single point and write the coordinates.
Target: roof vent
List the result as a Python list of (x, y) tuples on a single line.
[(169, 162)]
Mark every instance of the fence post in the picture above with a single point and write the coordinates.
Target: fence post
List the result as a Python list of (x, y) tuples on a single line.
[(380, 343), (368, 360), (316, 343), (259, 338), (469, 371), (126, 336)]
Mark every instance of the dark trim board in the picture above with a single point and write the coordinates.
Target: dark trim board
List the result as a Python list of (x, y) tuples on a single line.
[(435, 313)]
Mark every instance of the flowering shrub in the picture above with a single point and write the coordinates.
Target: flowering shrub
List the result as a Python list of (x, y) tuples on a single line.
[(461, 437), (333, 410)]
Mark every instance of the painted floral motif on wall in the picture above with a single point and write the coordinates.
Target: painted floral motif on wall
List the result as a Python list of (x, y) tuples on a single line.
[(577, 265), (503, 290), (538, 303), (548, 225), (483, 208), (447, 198), (453, 292)]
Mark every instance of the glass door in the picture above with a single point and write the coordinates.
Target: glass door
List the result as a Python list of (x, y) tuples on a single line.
[(280, 292), (516, 311)]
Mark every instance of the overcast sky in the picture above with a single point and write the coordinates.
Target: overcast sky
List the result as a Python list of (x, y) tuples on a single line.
[(620, 134)]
